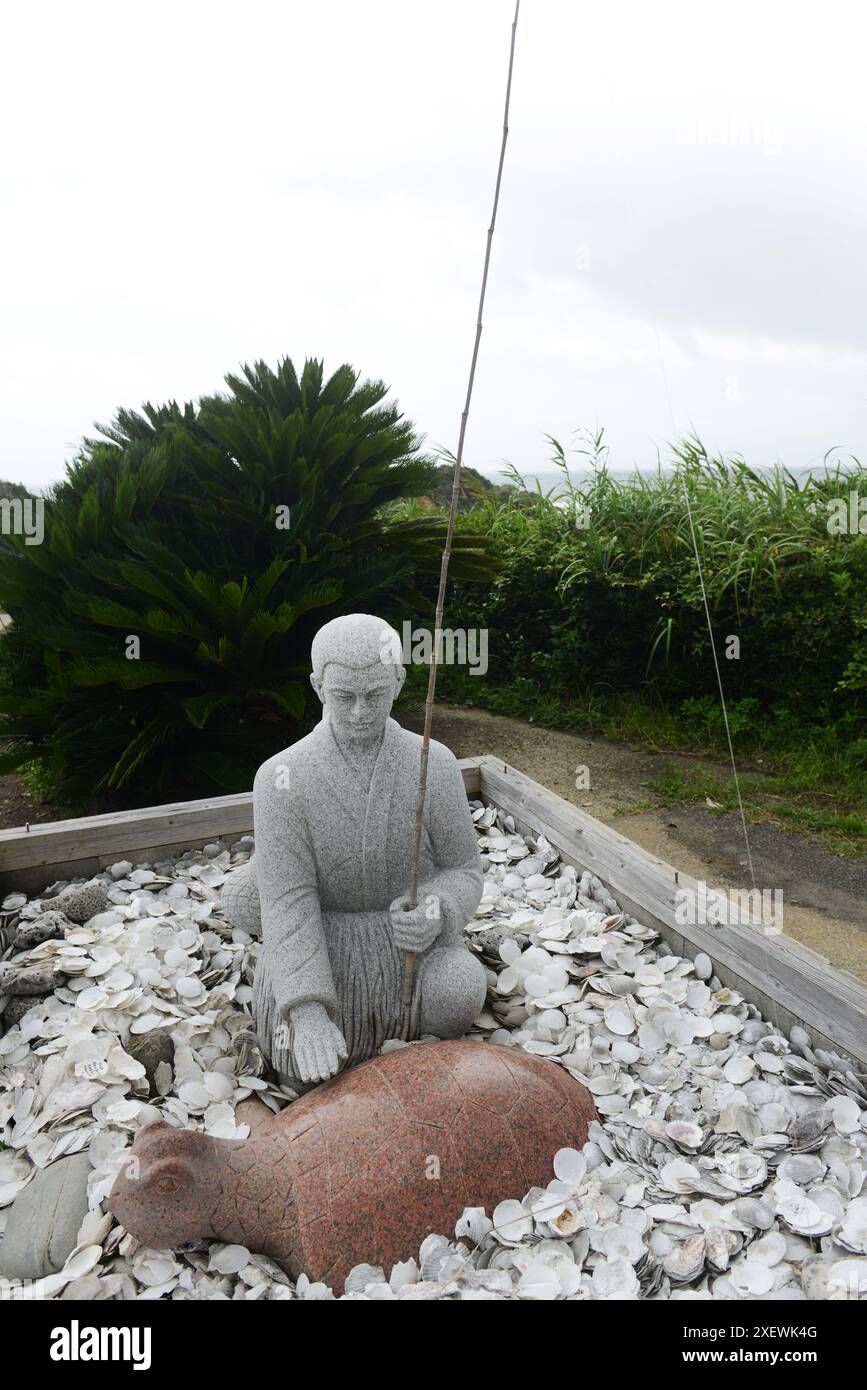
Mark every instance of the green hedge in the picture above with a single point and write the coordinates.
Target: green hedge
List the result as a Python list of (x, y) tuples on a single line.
[(616, 604)]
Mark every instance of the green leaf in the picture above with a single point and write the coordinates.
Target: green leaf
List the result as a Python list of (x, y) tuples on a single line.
[(199, 708), (132, 675), (289, 696)]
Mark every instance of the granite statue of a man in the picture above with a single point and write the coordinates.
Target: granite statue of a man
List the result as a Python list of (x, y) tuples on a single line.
[(328, 884)]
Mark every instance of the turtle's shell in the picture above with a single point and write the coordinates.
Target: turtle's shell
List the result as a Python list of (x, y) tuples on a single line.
[(395, 1149)]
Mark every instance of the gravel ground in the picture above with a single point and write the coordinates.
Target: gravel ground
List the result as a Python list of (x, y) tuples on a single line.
[(17, 806)]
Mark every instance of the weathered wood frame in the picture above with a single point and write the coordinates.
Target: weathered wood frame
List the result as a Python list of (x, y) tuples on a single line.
[(787, 981)]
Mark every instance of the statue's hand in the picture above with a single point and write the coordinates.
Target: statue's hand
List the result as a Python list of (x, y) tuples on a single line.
[(416, 930), (318, 1046)]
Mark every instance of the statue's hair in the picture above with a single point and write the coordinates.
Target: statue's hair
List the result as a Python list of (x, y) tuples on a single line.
[(358, 640)]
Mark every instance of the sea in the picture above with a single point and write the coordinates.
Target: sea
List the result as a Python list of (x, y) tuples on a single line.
[(551, 480)]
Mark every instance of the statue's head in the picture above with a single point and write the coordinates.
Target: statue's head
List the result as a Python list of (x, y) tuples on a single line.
[(357, 674)]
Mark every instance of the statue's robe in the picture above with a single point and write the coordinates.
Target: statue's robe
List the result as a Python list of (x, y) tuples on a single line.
[(331, 856)]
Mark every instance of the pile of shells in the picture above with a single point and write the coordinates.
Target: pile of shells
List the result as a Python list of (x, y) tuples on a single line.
[(731, 1164)]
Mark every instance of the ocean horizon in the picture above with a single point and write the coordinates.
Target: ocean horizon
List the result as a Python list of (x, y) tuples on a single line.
[(549, 479)]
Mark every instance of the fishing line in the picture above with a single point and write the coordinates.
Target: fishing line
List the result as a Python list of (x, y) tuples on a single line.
[(774, 1012), (709, 623)]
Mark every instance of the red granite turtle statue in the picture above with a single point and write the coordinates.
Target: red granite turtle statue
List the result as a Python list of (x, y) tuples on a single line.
[(365, 1166)]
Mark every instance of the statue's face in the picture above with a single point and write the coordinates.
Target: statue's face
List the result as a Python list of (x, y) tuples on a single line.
[(359, 701)]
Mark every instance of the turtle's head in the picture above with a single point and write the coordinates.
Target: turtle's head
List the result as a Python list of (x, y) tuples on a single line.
[(167, 1187)]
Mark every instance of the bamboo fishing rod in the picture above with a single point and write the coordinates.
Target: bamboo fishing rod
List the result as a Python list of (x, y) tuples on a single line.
[(409, 960)]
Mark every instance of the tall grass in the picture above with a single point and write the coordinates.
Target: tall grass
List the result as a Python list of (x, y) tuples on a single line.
[(599, 582), (599, 628)]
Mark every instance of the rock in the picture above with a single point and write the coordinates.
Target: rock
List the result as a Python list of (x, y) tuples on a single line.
[(17, 1008), (120, 869), (40, 978), (43, 1222), (492, 938), (46, 927), (83, 902), (151, 1049)]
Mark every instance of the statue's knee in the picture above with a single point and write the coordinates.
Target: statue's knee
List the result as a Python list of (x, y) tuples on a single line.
[(239, 899), (453, 991), (475, 984)]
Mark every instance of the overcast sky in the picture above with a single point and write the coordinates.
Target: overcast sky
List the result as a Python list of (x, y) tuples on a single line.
[(187, 186)]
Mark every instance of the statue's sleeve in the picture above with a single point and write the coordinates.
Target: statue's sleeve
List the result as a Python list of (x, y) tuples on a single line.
[(457, 879), (293, 938)]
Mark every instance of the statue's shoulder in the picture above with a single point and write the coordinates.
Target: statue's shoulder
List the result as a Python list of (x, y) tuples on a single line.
[(443, 763), (274, 773), (439, 757)]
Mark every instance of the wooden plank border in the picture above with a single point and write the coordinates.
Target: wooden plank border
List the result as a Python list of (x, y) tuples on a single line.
[(31, 859)]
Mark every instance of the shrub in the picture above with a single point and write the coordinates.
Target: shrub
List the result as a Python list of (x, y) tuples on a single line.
[(13, 489), (220, 536)]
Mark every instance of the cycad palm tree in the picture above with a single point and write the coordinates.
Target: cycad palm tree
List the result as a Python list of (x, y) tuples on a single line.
[(162, 630)]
